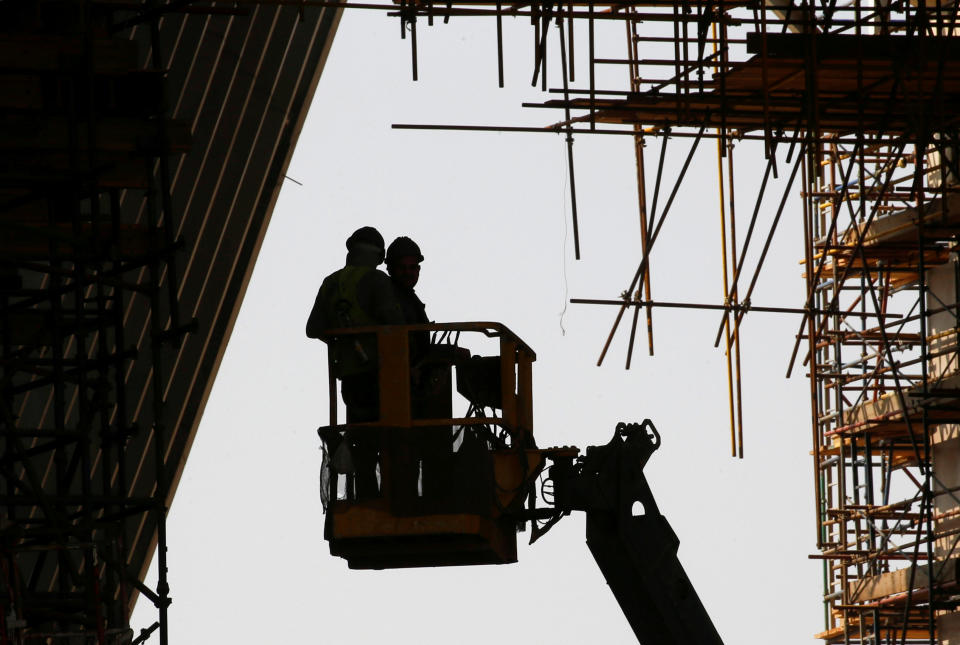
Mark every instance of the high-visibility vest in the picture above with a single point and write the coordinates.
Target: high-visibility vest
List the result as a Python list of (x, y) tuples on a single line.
[(341, 308)]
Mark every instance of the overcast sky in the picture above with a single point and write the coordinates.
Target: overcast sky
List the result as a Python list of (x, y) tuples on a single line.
[(248, 563)]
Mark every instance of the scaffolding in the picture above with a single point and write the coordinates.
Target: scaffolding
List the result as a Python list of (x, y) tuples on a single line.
[(87, 261), (144, 144), (854, 104)]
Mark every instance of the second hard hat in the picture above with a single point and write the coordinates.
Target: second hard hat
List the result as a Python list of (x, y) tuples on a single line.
[(403, 247)]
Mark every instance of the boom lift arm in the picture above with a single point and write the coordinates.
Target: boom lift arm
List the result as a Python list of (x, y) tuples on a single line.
[(631, 541)]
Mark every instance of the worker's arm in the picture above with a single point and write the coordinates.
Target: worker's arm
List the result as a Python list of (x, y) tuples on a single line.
[(315, 323)]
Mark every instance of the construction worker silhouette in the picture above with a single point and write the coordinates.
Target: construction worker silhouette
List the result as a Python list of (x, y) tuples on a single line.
[(403, 264), (356, 295)]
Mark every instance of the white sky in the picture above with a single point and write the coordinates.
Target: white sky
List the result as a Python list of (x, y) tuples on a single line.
[(248, 563)]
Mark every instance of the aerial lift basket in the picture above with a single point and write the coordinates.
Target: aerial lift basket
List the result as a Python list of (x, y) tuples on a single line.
[(415, 486)]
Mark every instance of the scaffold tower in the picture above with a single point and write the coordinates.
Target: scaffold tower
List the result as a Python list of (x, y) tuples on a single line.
[(88, 235), (137, 177)]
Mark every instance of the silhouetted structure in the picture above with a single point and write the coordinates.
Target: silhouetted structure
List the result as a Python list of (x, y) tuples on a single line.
[(144, 144)]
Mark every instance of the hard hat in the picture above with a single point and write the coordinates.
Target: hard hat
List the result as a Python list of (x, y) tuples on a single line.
[(366, 235), (403, 247)]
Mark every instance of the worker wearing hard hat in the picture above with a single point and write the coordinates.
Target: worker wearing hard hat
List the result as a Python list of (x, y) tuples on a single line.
[(354, 296), (403, 264), (430, 363)]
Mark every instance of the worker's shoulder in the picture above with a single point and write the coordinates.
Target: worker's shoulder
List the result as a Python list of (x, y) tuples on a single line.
[(336, 274), (350, 272), (376, 276)]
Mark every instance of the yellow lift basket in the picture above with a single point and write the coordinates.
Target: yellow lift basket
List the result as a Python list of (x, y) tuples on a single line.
[(417, 486)]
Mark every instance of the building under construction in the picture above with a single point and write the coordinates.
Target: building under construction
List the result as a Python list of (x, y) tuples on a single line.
[(120, 139), (144, 144)]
